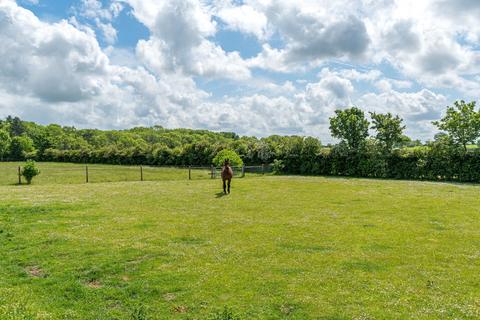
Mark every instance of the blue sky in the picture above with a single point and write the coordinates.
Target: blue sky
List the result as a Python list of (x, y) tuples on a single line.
[(130, 30), (256, 67)]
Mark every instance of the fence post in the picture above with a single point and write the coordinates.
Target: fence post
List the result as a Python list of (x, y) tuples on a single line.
[(213, 177), (263, 169), (243, 171), (19, 175), (86, 173), (189, 173), (141, 173)]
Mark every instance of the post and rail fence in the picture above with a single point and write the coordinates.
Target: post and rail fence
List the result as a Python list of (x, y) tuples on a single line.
[(238, 172), (105, 173)]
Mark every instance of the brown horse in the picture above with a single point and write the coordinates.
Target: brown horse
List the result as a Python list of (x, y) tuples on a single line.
[(227, 175)]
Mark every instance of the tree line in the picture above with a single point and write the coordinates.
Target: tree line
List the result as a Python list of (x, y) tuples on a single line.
[(367, 148)]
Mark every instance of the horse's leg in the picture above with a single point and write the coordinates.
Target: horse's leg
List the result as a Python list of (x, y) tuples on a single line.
[(229, 181), (224, 187)]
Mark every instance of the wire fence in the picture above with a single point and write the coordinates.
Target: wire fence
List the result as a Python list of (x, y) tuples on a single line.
[(63, 173), (239, 172)]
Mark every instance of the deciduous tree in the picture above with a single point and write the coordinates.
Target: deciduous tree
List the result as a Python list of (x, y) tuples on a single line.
[(350, 126), (461, 123), (389, 129), (5, 142)]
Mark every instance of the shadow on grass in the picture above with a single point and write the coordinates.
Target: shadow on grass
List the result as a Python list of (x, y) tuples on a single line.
[(220, 195)]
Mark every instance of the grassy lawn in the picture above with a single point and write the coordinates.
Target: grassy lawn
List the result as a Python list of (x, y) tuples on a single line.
[(276, 248)]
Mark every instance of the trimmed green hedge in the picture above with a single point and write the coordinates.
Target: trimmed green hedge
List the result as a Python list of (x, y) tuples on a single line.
[(423, 164)]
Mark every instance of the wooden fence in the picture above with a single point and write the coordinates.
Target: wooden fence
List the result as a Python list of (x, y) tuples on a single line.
[(104, 173), (238, 172)]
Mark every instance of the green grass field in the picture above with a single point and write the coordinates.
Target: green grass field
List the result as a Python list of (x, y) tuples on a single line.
[(276, 248)]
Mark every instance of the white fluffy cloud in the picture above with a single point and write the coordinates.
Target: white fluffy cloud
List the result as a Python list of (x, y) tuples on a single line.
[(179, 41), (55, 62), (101, 16), (56, 71), (312, 32), (418, 109), (428, 40), (403, 56), (245, 19), (432, 41)]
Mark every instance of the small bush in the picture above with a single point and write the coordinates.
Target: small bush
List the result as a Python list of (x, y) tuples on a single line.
[(278, 166), (30, 171), (231, 155)]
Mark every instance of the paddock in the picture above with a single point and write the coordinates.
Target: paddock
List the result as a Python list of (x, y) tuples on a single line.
[(285, 247)]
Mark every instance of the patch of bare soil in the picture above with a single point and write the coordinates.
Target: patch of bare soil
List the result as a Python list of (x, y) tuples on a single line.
[(36, 272), (94, 284), (180, 309), (169, 296)]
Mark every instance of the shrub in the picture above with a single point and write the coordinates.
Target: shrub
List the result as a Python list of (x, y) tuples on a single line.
[(278, 166), (30, 171), (231, 155)]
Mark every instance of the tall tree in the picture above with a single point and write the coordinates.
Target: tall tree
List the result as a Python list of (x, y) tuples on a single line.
[(350, 126), (462, 123), (389, 129), (17, 127), (21, 147), (5, 141)]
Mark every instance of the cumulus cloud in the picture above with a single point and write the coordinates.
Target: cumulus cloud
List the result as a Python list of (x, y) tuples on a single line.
[(400, 36), (245, 19), (312, 32), (101, 16), (62, 72), (339, 87), (55, 62), (457, 8), (179, 41), (318, 41), (418, 109), (427, 44), (378, 55)]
